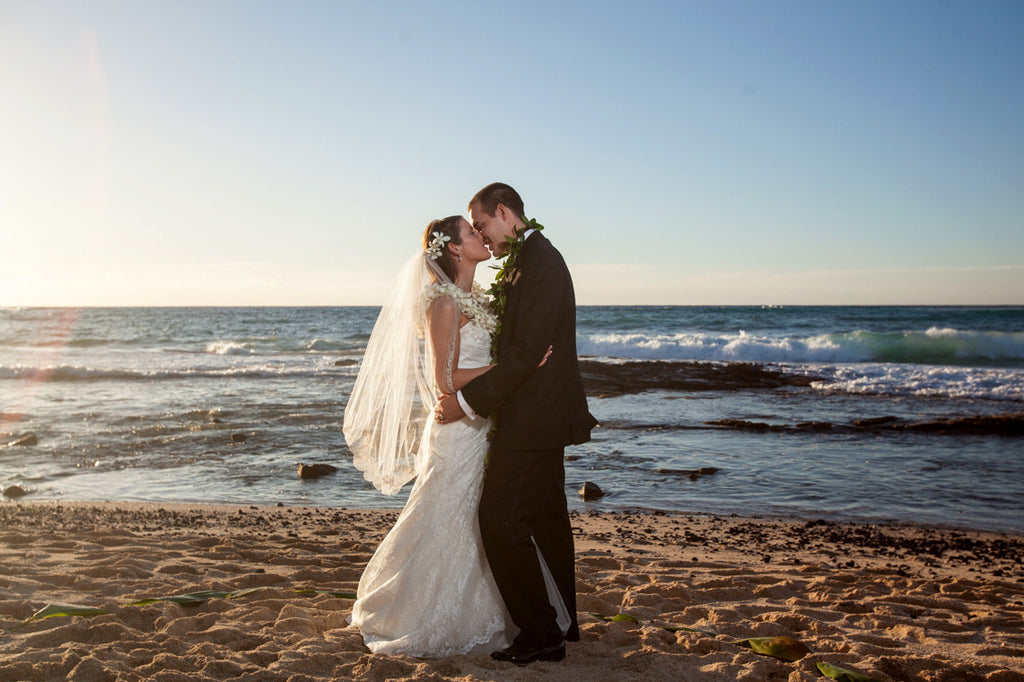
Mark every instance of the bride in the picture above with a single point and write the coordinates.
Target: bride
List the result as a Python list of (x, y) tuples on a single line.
[(427, 591)]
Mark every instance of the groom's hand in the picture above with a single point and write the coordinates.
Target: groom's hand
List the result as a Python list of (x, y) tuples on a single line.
[(448, 409)]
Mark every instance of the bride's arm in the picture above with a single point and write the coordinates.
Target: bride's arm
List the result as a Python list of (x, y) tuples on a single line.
[(443, 320), (461, 377)]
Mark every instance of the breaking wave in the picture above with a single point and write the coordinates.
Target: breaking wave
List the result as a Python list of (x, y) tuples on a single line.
[(935, 346), (67, 373)]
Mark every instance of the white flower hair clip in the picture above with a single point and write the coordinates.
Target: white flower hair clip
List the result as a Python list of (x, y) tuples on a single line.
[(436, 245)]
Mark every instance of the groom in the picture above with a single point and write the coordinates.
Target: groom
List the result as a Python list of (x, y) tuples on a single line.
[(524, 520)]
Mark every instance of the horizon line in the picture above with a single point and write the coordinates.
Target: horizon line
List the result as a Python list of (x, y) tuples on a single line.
[(578, 305)]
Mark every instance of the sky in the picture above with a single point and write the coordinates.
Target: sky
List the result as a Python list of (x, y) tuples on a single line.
[(245, 152)]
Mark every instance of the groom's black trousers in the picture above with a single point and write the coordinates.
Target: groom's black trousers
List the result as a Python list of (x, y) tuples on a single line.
[(523, 509)]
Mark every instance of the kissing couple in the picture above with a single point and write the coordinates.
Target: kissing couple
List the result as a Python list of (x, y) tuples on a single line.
[(481, 559)]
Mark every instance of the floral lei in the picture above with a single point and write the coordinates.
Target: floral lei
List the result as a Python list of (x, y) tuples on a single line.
[(506, 272), (474, 305)]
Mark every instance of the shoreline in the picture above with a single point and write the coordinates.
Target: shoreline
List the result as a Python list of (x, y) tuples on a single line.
[(940, 548), (894, 601), (603, 506)]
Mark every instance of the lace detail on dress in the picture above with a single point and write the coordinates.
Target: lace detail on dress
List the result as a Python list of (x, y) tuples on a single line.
[(427, 591), (475, 350)]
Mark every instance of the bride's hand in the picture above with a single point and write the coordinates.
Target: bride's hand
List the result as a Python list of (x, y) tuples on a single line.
[(546, 356), (448, 409)]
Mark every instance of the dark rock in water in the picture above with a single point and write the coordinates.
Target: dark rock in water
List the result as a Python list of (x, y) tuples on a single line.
[(607, 379), (874, 421), (1010, 425), (346, 363), (703, 471), (692, 474), (27, 439), (591, 491), (744, 425), (239, 437), (14, 492), (814, 427), (315, 470), (979, 425), (997, 425)]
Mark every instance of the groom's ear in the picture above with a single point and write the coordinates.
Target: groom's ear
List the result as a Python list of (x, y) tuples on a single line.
[(501, 212)]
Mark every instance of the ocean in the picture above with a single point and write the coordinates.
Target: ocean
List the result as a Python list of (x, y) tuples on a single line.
[(910, 414)]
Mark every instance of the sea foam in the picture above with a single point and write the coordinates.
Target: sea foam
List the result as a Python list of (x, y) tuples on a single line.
[(66, 373), (229, 348), (933, 346), (922, 381)]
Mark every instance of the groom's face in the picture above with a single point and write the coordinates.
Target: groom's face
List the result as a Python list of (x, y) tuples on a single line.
[(493, 228)]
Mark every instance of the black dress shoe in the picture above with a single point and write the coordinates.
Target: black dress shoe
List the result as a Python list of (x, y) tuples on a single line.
[(506, 653), (521, 655)]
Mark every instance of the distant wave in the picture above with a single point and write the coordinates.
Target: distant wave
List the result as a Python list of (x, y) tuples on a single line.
[(223, 346), (922, 381), (608, 377), (89, 374), (265, 347), (325, 346), (245, 346), (229, 348), (934, 346)]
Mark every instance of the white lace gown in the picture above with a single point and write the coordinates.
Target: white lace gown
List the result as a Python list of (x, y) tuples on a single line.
[(427, 591)]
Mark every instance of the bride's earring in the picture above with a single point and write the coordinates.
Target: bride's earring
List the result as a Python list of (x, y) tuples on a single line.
[(460, 256)]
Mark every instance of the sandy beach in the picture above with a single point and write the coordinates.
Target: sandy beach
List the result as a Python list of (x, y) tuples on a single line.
[(892, 602)]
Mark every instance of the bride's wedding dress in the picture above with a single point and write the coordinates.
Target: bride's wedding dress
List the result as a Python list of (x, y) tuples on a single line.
[(427, 591)]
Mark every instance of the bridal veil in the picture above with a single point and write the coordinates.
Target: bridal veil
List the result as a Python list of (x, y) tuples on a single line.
[(392, 401)]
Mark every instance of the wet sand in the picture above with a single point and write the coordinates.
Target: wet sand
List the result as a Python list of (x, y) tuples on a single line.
[(893, 602)]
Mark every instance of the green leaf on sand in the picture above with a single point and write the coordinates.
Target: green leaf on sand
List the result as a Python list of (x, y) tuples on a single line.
[(842, 674), (617, 618), (339, 595), (780, 647), (682, 628), (55, 610), (626, 618), (194, 598)]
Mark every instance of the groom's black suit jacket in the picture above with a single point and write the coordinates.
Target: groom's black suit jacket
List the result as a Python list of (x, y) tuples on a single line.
[(536, 408)]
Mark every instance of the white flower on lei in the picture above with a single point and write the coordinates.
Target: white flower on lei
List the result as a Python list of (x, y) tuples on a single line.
[(475, 304)]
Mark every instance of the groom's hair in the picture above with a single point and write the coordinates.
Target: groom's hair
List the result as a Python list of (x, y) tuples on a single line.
[(448, 226), (498, 193)]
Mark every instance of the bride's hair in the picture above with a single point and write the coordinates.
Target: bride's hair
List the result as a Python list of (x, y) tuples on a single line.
[(450, 226), (498, 193)]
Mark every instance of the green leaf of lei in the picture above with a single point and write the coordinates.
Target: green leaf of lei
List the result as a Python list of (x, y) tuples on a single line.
[(497, 290)]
